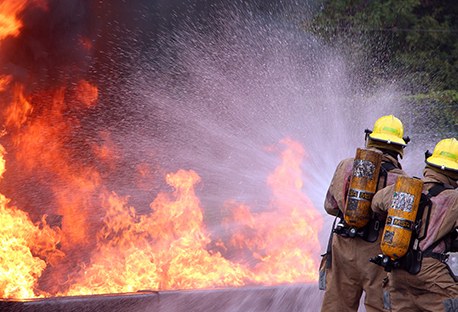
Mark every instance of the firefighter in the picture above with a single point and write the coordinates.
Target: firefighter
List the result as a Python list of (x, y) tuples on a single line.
[(345, 270), (434, 287)]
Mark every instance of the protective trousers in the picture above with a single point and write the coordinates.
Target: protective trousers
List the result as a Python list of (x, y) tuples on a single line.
[(433, 289), (351, 273)]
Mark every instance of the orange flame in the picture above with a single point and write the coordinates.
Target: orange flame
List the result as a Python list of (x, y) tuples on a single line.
[(162, 250), (167, 249), (42, 145), (41, 136), (9, 23), (24, 248), (108, 153), (86, 93), (285, 240), (4, 81), (17, 112)]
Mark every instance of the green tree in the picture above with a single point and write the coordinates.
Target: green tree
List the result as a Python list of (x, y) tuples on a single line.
[(414, 42)]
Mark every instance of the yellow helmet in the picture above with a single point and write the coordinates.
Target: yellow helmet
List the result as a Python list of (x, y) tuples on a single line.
[(445, 155), (388, 129)]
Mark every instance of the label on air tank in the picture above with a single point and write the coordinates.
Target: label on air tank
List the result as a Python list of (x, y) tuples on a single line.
[(402, 201), (363, 169)]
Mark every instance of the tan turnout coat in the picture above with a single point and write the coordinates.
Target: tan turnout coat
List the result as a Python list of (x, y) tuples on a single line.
[(433, 288), (351, 272)]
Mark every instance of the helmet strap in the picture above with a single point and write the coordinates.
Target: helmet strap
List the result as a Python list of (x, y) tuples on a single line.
[(366, 136), (428, 154)]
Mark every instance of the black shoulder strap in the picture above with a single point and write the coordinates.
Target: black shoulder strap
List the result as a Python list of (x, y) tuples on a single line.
[(388, 166), (425, 201), (438, 188), (385, 167)]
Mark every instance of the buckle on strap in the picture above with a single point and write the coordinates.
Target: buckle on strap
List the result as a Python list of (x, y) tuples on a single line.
[(444, 257), (345, 231)]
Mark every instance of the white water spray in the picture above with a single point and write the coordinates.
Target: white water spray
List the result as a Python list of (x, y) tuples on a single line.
[(216, 95)]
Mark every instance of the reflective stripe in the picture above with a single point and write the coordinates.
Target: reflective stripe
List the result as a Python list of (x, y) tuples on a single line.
[(392, 130), (399, 223), (447, 154), (322, 280), (360, 195), (386, 300)]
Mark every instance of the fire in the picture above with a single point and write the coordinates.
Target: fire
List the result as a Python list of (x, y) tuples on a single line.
[(86, 93), (86, 43), (22, 245), (103, 244), (162, 250), (9, 23), (41, 148), (167, 248), (17, 112), (284, 240), (4, 81)]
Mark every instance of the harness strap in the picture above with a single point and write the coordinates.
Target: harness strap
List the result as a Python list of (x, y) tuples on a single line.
[(438, 188), (429, 253), (385, 167), (442, 257), (426, 202)]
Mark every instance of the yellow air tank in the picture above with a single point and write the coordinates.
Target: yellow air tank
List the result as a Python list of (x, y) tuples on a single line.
[(363, 184), (401, 217)]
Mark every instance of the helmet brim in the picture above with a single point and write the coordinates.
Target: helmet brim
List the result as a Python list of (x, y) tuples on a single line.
[(390, 139), (442, 163)]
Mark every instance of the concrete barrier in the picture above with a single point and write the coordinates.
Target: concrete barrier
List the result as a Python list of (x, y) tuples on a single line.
[(288, 298)]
